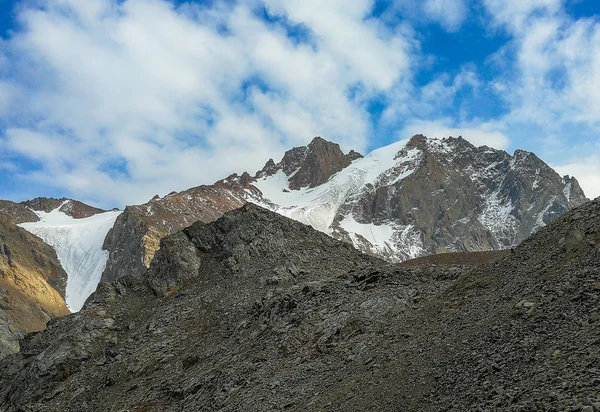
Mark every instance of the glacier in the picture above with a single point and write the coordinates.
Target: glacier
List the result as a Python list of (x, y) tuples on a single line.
[(78, 245)]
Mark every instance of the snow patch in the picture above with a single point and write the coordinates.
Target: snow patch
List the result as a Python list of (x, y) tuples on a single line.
[(397, 241), (497, 219), (78, 245), (380, 236), (567, 191), (539, 222)]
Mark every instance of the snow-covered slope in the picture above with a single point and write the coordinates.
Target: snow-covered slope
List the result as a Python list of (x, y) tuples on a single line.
[(78, 244)]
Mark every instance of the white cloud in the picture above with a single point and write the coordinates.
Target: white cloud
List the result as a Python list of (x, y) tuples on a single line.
[(427, 101), (516, 14), (551, 84), (121, 100), (449, 13), (484, 134)]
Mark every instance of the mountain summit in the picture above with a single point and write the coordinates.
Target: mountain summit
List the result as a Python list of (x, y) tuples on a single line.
[(312, 165)]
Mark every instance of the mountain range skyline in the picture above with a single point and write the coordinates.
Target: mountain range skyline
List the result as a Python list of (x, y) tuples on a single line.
[(114, 101)]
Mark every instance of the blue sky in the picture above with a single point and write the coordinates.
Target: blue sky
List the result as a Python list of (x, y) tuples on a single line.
[(114, 101)]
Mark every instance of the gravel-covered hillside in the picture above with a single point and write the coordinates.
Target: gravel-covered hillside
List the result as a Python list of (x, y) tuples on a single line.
[(257, 312)]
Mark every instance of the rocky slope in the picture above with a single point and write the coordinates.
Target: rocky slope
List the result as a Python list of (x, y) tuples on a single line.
[(409, 199), (136, 234), (258, 312), (32, 285), (17, 212)]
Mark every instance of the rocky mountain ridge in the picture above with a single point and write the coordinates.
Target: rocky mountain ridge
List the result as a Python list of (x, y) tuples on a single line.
[(409, 199), (24, 212), (259, 312)]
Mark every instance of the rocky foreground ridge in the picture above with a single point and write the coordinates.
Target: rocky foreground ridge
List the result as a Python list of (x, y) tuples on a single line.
[(412, 198), (258, 312)]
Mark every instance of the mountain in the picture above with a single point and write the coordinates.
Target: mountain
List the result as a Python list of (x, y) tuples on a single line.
[(32, 285), (427, 196), (256, 311), (410, 199), (51, 260)]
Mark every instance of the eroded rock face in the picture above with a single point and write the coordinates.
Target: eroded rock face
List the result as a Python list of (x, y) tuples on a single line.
[(136, 235), (257, 312), (32, 285)]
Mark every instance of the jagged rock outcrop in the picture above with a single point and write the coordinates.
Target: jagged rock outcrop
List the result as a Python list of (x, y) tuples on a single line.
[(573, 191), (311, 165), (257, 312), (32, 285), (136, 234)]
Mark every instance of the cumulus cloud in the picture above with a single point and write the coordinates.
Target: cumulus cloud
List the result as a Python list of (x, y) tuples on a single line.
[(449, 13), (117, 100), (516, 14)]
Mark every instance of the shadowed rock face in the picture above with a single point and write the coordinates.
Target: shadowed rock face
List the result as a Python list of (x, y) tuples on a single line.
[(137, 232), (258, 312), (32, 285)]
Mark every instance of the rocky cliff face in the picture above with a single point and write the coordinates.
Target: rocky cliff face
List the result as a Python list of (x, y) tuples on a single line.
[(406, 200), (312, 165), (32, 285), (136, 235), (258, 312)]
